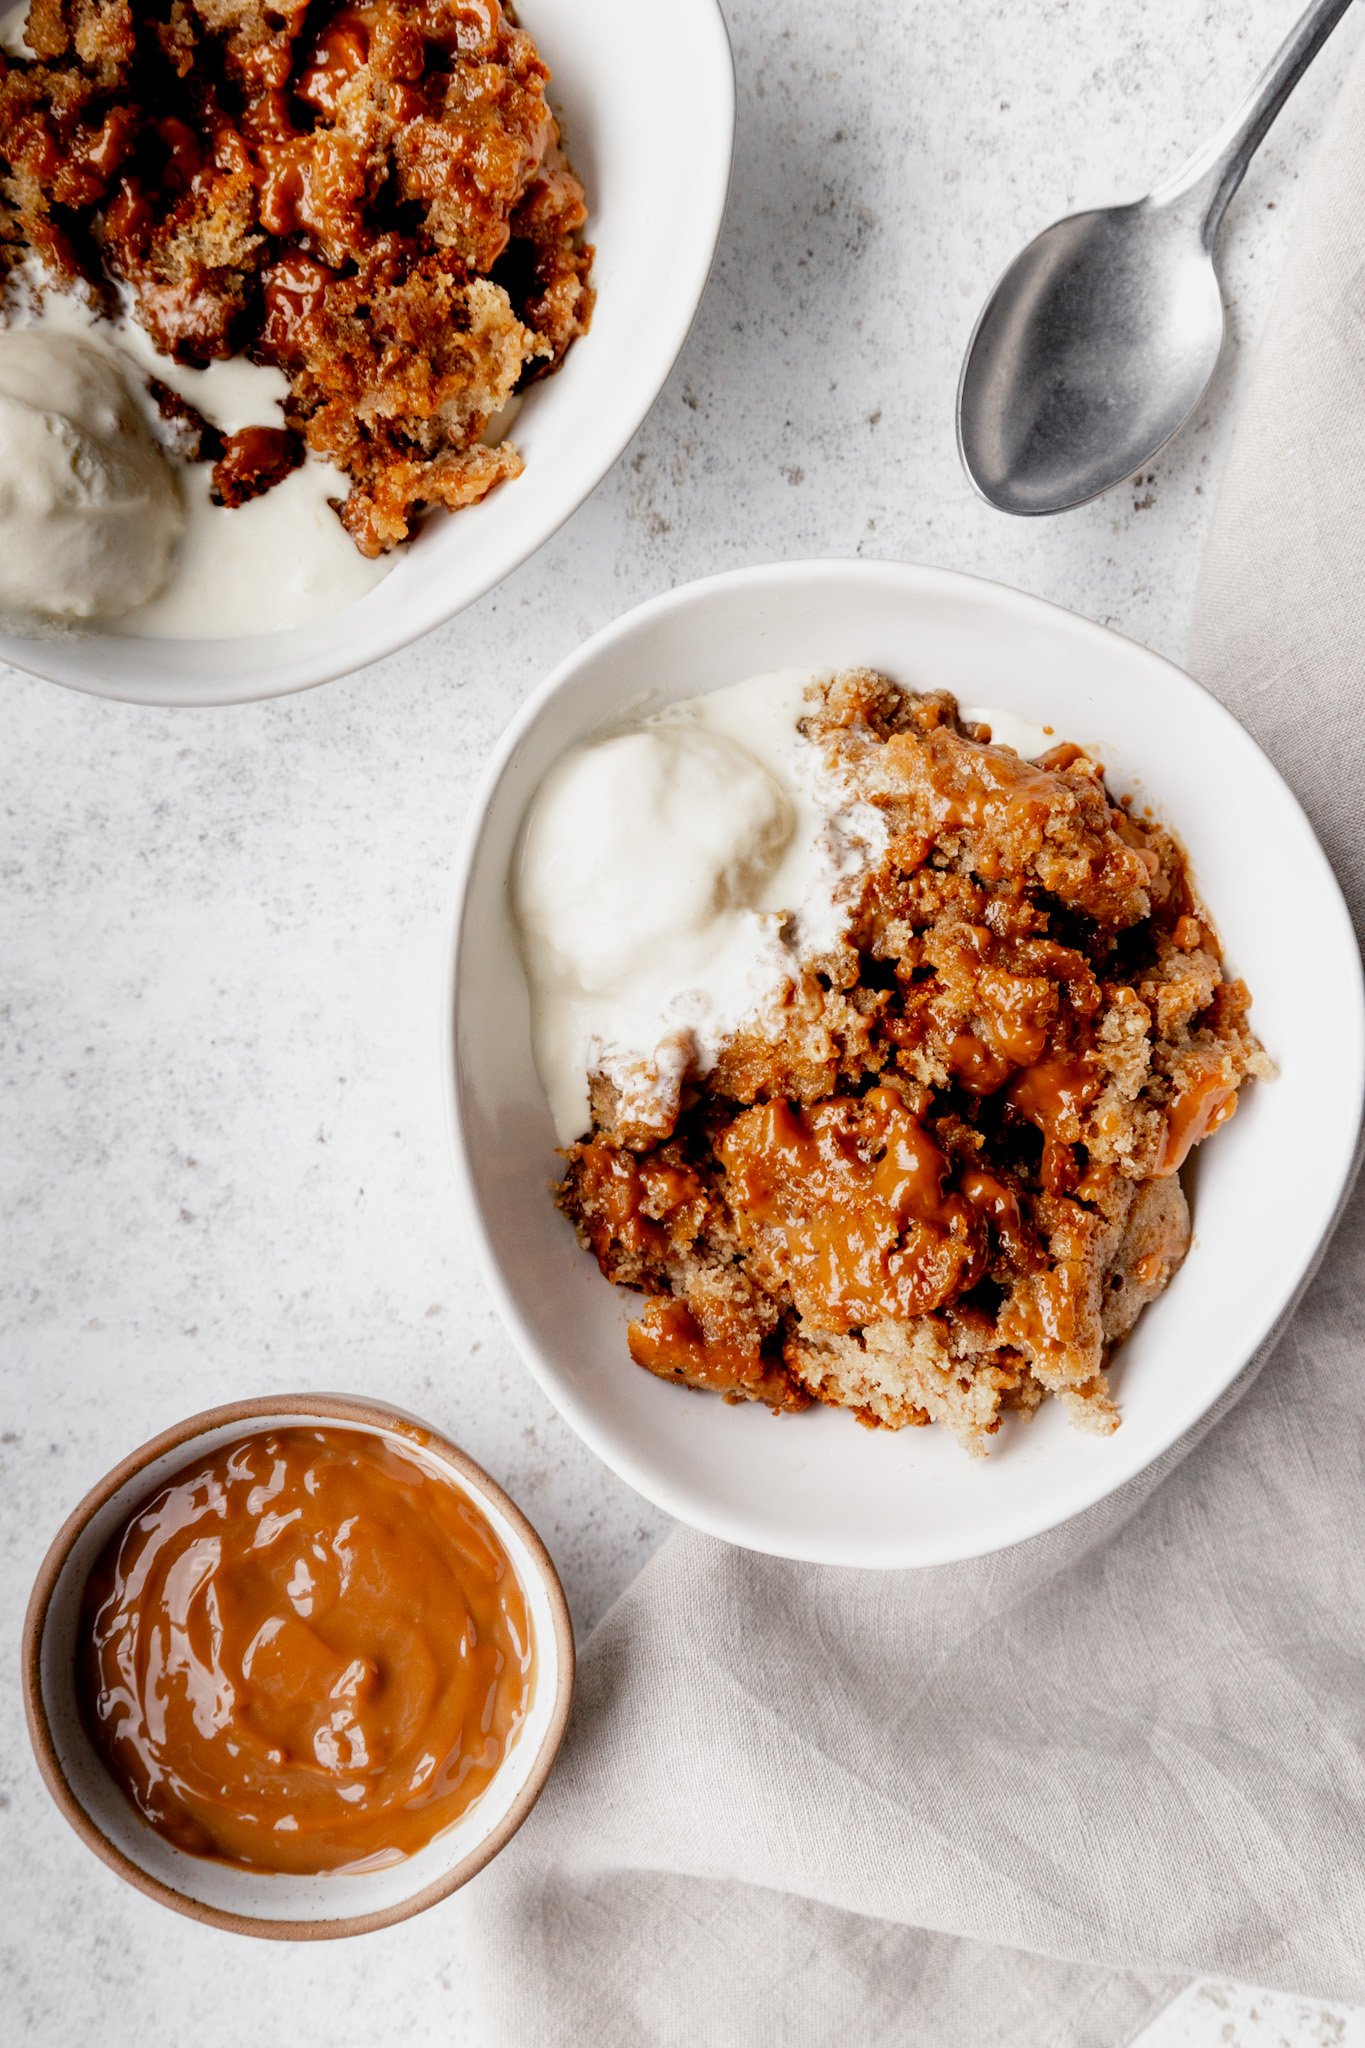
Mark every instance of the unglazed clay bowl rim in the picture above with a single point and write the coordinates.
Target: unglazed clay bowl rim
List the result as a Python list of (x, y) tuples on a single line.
[(248, 1417), (1266, 1190), (656, 169)]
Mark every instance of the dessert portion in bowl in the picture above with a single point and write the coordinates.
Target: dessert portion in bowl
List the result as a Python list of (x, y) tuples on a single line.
[(274, 283), (876, 1034)]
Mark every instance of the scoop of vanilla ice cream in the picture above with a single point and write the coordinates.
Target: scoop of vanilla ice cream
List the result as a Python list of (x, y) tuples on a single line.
[(640, 851), (89, 506)]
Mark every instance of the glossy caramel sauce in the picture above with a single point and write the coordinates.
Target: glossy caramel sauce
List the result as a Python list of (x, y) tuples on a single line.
[(307, 1651), (669, 1340), (1202, 1107), (853, 1192)]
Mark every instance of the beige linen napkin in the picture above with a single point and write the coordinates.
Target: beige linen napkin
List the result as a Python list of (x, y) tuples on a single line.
[(1016, 1801)]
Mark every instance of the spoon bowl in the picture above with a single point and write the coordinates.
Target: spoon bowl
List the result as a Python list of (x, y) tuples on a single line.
[(1092, 351), (1101, 337)]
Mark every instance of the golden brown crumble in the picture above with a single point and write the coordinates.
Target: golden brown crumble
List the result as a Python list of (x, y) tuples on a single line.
[(373, 197), (946, 1185)]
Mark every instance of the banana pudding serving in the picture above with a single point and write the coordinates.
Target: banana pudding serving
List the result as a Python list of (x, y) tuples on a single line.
[(875, 1046)]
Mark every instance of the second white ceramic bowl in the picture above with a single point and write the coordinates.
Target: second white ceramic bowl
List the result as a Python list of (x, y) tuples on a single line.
[(1266, 1189), (647, 99)]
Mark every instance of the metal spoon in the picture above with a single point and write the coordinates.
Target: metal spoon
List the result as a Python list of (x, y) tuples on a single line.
[(1098, 341)]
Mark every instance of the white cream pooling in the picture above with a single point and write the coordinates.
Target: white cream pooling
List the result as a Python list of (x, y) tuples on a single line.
[(280, 560), (283, 559), (1009, 730), (231, 394), (669, 882)]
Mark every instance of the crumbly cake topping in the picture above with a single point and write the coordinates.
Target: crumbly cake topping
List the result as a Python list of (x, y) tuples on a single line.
[(372, 197), (942, 1182)]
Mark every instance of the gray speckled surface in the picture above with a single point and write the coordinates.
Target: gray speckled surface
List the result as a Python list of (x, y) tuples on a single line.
[(224, 1167)]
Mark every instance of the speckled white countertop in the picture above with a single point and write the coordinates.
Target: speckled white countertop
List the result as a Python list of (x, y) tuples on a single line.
[(223, 1168)]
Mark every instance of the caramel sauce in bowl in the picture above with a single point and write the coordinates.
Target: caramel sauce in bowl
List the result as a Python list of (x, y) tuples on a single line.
[(297, 1667)]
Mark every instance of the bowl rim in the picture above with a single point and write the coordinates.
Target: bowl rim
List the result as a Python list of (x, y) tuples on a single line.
[(345, 1408), (256, 677), (793, 574)]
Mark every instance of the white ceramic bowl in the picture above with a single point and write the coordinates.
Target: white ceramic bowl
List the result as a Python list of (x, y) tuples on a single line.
[(282, 1908), (646, 95), (815, 1485)]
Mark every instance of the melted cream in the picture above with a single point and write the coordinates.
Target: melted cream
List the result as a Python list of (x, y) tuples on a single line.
[(280, 560), (670, 881), (1009, 730), (13, 23)]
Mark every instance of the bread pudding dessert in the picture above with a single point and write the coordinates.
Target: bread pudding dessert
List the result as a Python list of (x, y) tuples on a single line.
[(371, 198), (933, 1176)]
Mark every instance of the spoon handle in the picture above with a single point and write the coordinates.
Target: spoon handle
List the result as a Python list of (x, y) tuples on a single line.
[(1213, 174)]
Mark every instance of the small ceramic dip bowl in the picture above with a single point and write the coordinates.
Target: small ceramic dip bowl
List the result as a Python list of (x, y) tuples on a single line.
[(282, 1908)]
